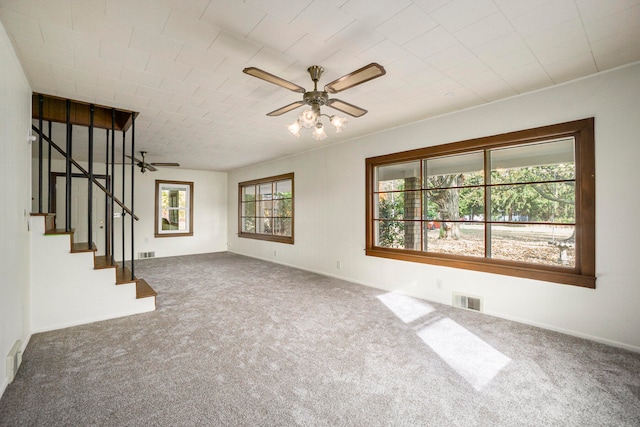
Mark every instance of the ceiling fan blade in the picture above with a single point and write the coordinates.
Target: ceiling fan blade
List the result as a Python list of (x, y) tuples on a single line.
[(286, 108), (134, 159), (256, 72), (149, 167), (164, 164), (364, 74), (345, 107)]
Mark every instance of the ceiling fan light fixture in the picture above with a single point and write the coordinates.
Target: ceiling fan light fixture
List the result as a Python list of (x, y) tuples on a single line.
[(294, 128), (308, 118), (340, 123), (318, 132)]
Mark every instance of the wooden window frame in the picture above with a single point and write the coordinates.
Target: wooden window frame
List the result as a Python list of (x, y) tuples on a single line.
[(158, 216), (582, 274), (264, 236)]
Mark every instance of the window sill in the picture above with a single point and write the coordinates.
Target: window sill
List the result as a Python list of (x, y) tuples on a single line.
[(173, 234), (267, 237), (560, 275)]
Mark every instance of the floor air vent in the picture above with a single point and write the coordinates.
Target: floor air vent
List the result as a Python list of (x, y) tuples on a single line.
[(14, 359), (467, 302), (145, 255)]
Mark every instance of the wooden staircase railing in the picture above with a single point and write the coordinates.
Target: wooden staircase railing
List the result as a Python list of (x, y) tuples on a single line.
[(72, 113)]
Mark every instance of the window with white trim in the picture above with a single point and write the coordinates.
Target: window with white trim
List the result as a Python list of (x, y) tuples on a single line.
[(174, 208)]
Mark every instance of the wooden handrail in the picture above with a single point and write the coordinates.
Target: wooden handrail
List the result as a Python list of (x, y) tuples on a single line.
[(85, 173)]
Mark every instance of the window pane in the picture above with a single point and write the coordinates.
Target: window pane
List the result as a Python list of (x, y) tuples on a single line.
[(282, 208), (412, 202), (174, 216), (283, 189), (282, 226), (174, 198), (264, 225), (454, 171), (265, 209), (249, 193), (169, 219), (535, 244), (182, 219), (553, 202), (264, 192), (472, 203), (398, 205), (460, 238), (248, 209), (389, 234), (249, 225), (401, 176), (454, 204), (547, 161), (398, 234)]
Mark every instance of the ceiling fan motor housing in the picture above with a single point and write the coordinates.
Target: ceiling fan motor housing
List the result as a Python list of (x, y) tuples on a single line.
[(315, 97)]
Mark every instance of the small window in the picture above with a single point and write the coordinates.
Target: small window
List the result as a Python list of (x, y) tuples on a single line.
[(174, 208), (266, 209), (520, 204)]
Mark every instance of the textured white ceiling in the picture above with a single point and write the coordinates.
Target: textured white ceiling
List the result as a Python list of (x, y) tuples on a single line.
[(179, 62)]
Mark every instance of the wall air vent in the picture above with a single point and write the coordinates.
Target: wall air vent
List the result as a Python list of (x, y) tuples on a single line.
[(145, 255), (467, 302)]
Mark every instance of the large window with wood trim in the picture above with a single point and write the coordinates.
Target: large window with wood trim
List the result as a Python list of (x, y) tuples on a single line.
[(519, 204), (265, 208)]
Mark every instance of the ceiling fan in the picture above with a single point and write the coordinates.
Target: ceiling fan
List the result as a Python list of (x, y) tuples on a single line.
[(317, 98), (144, 166)]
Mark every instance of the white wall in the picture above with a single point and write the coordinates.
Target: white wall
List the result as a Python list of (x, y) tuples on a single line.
[(15, 169), (330, 211), (209, 209), (209, 213)]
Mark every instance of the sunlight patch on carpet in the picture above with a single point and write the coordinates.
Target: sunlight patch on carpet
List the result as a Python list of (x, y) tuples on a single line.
[(405, 307), (472, 358)]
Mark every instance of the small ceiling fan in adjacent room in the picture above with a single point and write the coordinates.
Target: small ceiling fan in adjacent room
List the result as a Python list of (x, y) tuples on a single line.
[(144, 166), (316, 98)]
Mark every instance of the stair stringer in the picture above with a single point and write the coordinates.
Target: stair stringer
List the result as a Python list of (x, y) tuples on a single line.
[(66, 290)]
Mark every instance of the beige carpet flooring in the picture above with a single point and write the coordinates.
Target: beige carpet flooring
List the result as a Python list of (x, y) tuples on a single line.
[(237, 341)]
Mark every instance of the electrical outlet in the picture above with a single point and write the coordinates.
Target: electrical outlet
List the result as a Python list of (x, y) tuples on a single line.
[(338, 265), (438, 283), (275, 253)]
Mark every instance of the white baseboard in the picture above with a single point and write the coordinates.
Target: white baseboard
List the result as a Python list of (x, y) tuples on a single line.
[(3, 387), (91, 320), (570, 332)]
